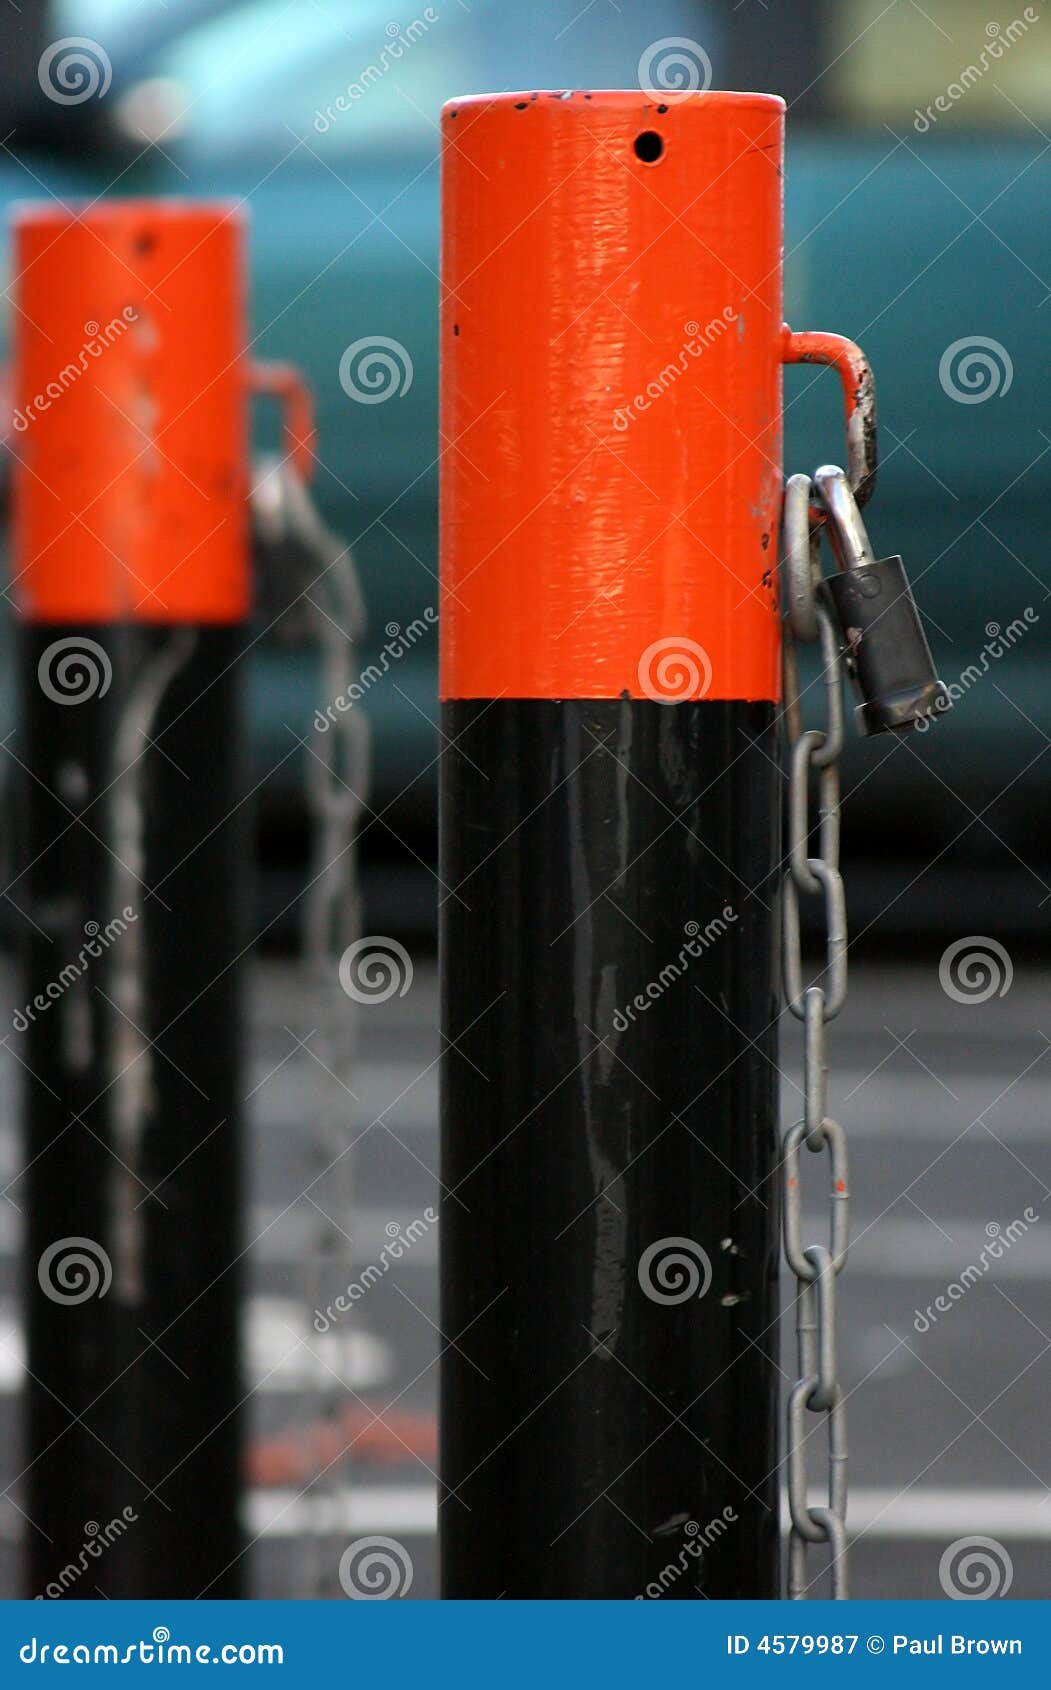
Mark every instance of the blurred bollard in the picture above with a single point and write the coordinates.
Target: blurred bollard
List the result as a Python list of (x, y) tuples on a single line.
[(132, 587)]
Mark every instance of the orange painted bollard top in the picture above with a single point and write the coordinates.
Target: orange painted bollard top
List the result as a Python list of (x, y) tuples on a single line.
[(611, 382), (129, 414), (612, 348)]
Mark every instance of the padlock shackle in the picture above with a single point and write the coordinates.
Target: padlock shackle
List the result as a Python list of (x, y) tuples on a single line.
[(846, 530), (859, 398)]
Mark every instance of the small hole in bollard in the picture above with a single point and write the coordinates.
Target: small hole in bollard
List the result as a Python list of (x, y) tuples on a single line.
[(649, 146)]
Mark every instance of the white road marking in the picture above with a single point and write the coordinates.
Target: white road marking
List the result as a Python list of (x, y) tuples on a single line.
[(927, 1513), (910, 1247), (411, 1509), (941, 1515), (288, 1366)]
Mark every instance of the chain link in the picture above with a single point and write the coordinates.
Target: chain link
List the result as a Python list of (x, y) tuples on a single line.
[(816, 1266)]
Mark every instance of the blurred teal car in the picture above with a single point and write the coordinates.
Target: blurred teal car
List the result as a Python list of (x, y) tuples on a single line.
[(934, 253)]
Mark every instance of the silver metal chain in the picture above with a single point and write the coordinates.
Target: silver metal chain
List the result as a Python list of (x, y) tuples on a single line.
[(336, 771), (817, 1390)]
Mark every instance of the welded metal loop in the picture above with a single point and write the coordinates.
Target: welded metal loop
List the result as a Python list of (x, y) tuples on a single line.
[(823, 1287), (806, 612), (806, 753), (838, 1565), (815, 1079), (798, 1490), (832, 674), (835, 970), (807, 1521), (796, 1254), (800, 559)]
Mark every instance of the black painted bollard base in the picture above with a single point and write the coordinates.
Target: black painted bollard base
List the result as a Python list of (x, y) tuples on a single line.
[(609, 1221), (134, 845)]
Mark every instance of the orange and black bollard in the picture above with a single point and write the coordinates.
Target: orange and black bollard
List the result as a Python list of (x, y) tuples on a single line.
[(612, 350), (131, 568)]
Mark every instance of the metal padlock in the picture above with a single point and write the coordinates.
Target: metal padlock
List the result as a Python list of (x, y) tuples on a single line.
[(884, 646)]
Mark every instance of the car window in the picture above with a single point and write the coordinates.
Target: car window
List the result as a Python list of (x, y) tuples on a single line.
[(103, 20), (270, 70), (348, 79)]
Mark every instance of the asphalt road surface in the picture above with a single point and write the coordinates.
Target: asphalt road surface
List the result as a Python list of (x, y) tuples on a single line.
[(946, 1107)]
